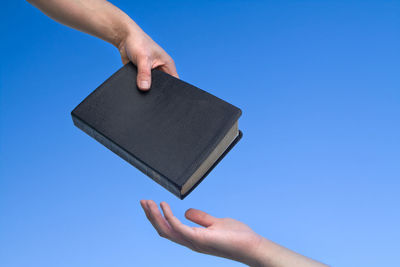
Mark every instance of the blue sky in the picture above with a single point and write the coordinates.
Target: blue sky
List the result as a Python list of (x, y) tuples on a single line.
[(317, 170)]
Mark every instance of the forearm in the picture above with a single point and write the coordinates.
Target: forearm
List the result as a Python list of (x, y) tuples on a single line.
[(270, 254), (96, 17)]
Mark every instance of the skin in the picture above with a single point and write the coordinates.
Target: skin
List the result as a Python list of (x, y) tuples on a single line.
[(222, 237), (104, 20)]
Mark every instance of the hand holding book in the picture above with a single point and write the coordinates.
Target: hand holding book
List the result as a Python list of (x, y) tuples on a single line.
[(106, 21), (222, 237), (138, 48)]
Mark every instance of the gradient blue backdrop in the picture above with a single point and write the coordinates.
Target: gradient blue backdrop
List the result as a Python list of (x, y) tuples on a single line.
[(317, 170)]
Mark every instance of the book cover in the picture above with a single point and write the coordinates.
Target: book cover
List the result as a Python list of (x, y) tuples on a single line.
[(168, 132)]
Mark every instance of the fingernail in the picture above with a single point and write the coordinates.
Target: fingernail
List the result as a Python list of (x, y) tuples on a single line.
[(144, 85)]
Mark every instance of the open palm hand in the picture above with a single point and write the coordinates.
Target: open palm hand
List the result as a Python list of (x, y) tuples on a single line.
[(223, 237)]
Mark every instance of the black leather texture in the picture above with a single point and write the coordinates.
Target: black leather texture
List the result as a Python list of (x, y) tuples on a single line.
[(166, 132)]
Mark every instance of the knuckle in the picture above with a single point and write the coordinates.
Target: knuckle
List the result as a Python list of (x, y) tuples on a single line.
[(170, 61), (196, 248), (142, 53), (175, 227), (144, 72), (143, 58), (163, 235)]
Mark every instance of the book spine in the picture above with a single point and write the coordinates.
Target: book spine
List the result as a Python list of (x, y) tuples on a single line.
[(157, 177)]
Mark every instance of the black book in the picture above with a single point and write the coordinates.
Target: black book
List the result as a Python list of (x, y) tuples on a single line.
[(175, 133)]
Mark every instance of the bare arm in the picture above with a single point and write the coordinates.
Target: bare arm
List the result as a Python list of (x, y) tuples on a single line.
[(223, 237), (104, 20)]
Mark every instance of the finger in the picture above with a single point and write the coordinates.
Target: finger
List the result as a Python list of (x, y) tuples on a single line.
[(156, 219), (169, 67), (124, 57), (144, 73), (169, 70), (144, 207), (175, 224), (143, 203), (200, 217), (124, 60)]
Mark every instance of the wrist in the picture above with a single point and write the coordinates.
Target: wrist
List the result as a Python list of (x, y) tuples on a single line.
[(128, 29), (263, 254), (268, 254), (257, 254)]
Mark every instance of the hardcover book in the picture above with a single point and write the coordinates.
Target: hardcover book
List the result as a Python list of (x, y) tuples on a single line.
[(175, 133)]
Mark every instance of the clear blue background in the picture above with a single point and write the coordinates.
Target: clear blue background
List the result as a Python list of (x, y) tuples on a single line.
[(317, 170)]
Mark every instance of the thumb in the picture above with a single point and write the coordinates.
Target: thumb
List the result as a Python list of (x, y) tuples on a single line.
[(200, 217), (144, 74)]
